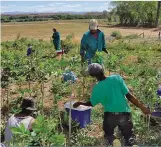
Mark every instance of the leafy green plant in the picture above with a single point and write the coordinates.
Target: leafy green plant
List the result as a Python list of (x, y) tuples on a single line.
[(68, 43), (98, 58), (132, 36), (60, 89), (80, 138), (116, 34), (44, 133)]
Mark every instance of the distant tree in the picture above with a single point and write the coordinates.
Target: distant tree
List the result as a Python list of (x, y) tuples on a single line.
[(45, 17), (105, 13), (158, 13), (134, 13)]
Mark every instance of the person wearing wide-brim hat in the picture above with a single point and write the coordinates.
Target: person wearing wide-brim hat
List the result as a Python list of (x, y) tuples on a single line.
[(24, 117)]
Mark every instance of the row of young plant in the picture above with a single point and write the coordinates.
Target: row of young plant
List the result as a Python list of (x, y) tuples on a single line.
[(42, 66), (19, 69)]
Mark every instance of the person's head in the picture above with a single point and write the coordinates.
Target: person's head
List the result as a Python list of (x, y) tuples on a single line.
[(93, 26), (96, 70), (28, 105), (54, 30)]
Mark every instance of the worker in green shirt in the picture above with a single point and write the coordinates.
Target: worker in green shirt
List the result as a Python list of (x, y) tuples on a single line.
[(114, 95), (56, 39), (92, 41)]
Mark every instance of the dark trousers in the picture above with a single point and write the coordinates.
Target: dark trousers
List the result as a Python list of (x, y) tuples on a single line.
[(124, 123)]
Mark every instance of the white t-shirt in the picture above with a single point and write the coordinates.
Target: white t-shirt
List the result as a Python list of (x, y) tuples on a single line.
[(15, 122)]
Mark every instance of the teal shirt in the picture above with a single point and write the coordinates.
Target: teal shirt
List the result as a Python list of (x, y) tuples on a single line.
[(111, 94), (56, 36), (56, 40), (90, 44)]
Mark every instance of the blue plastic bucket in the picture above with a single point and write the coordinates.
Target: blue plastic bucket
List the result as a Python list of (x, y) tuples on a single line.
[(82, 115), (159, 91), (156, 114)]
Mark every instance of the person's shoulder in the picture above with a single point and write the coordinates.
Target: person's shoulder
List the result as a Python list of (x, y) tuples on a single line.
[(86, 33), (114, 77), (100, 32), (11, 118)]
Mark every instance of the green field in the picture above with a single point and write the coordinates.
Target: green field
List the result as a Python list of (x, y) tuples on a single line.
[(135, 58), (133, 38)]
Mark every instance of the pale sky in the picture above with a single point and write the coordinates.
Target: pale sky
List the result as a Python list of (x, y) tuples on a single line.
[(54, 6)]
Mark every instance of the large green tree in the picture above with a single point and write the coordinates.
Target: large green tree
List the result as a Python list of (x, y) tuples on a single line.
[(134, 13)]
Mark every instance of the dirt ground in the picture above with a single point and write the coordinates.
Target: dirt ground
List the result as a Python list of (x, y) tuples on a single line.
[(43, 30)]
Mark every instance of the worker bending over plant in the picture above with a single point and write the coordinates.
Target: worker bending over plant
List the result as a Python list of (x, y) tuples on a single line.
[(113, 94), (24, 117), (92, 41)]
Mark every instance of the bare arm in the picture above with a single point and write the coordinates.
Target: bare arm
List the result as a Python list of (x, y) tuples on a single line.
[(137, 103), (31, 124)]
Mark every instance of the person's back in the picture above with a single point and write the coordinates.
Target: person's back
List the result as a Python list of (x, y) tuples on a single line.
[(24, 117), (14, 121), (111, 94), (56, 39), (56, 36)]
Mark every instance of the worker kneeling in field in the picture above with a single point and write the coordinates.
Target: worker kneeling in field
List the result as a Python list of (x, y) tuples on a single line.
[(113, 94), (56, 39), (23, 117), (92, 41)]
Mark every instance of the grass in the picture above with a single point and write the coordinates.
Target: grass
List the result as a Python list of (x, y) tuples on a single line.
[(43, 30)]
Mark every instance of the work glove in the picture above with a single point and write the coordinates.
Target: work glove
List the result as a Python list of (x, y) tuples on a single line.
[(105, 50)]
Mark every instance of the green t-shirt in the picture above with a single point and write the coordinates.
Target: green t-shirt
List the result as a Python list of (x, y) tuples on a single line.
[(111, 94)]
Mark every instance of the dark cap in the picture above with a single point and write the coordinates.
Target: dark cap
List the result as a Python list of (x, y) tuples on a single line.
[(28, 104), (95, 69)]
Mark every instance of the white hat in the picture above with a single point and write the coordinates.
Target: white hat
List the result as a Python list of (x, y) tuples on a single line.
[(93, 24)]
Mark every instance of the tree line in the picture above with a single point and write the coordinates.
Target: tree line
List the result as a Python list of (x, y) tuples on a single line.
[(124, 13), (137, 13), (37, 17)]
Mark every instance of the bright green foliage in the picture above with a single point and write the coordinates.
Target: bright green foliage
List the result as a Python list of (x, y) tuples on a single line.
[(44, 133), (134, 13), (140, 74), (98, 58), (21, 130)]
